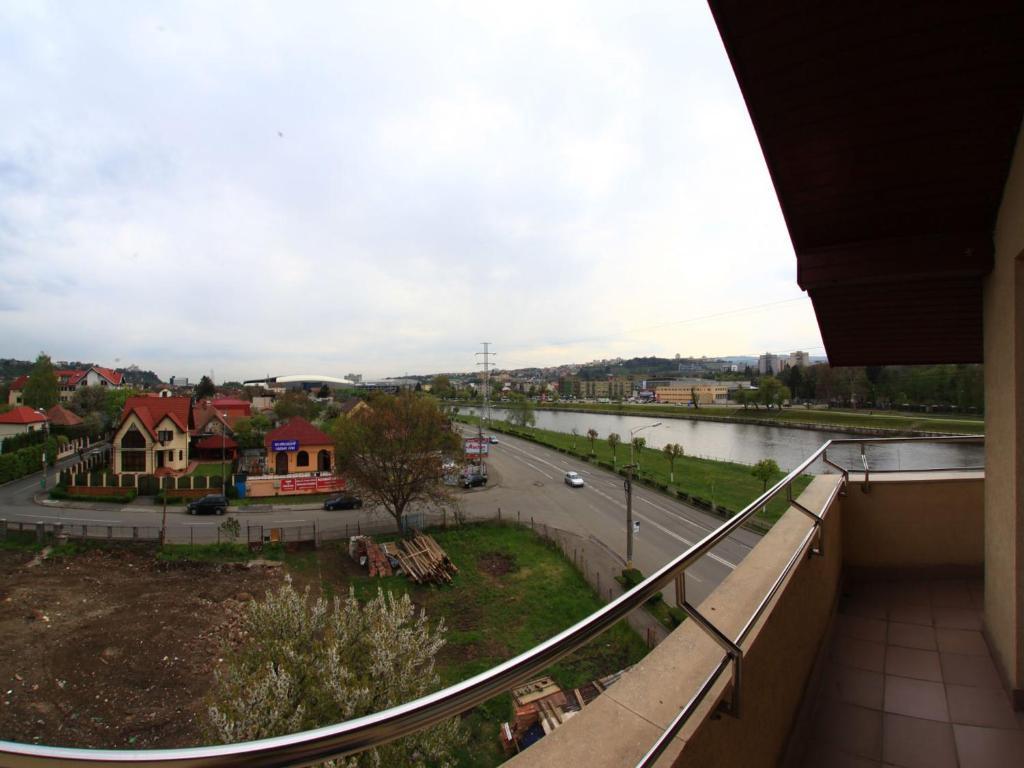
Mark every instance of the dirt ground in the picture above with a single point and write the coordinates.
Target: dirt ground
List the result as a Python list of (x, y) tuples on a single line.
[(113, 648)]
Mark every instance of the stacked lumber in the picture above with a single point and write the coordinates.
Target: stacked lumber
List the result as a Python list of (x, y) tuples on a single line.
[(424, 561), (377, 560)]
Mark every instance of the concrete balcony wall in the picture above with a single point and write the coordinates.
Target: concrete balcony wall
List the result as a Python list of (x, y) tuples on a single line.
[(915, 521)]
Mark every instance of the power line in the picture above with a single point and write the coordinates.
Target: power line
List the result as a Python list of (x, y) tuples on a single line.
[(487, 355)]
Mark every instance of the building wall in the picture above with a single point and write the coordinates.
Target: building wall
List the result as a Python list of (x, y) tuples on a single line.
[(14, 397), (7, 430), (293, 467), (175, 448), (1003, 294), (707, 394)]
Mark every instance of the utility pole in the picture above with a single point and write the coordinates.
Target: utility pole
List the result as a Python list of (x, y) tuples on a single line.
[(486, 355), (628, 485)]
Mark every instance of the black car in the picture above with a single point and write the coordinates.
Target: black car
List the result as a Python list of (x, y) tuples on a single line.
[(214, 503), (343, 501), (474, 480)]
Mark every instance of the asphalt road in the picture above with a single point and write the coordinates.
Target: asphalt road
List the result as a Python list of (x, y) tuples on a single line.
[(526, 478)]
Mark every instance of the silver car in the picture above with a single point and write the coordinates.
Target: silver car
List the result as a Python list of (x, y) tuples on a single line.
[(573, 480)]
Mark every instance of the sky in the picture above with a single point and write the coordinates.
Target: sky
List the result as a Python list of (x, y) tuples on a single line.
[(376, 188)]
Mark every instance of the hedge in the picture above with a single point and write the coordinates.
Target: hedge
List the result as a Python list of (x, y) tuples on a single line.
[(25, 461), (122, 498), (24, 440)]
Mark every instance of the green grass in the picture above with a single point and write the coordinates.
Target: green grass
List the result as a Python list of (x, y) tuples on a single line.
[(20, 541), (212, 469), (882, 421), (287, 499), (225, 552), (726, 485), (491, 618)]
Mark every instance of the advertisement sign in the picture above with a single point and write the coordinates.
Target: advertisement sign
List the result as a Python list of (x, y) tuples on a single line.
[(312, 484), (474, 446), (284, 445)]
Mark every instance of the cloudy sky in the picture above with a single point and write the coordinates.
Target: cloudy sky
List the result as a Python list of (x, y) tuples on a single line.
[(297, 187)]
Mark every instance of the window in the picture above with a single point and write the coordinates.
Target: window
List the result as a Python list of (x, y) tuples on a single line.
[(181, 455), (133, 439), (302, 459), (165, 435), (133, 461)]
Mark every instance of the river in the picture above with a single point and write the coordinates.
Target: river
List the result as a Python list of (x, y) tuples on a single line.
[(749, 443)]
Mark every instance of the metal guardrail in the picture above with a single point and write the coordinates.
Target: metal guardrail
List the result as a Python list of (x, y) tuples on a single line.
[(364, 732)]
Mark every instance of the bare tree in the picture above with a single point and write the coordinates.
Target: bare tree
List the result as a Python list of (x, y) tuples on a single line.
[(393, 452)]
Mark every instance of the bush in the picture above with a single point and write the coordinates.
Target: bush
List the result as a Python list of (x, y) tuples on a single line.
[(118, 498), (231, 492)]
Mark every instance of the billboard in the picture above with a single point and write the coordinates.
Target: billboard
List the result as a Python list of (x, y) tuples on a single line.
[(312, 484), (284, 445), (475, 446)]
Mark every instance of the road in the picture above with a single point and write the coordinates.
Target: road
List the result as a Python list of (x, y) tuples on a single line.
[(527, 478)]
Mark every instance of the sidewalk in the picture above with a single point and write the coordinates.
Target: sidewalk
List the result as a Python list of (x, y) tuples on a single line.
[(146, 503)]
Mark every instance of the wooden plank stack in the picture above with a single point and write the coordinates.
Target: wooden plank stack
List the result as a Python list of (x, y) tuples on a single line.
[(377, 560), (424, 561)]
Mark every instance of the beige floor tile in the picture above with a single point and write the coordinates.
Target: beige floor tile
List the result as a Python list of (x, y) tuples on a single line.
[(911, 614), (859, 653), (861, 628), (907, 593), (915, 698), (963, 641), (977, 671), (827, 756), (957, 618), (915, 743), (913, 662), (912, 636), (855, 605), (988, 747), (850, 729), (988, 707), (852, 686)]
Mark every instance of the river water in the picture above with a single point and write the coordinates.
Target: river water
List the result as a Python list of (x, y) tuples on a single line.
[(749, 443)]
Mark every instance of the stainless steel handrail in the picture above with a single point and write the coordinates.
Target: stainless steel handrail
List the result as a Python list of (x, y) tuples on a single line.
[(362, 733)]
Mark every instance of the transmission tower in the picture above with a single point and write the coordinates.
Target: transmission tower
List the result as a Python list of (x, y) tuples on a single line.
[(486, 363)]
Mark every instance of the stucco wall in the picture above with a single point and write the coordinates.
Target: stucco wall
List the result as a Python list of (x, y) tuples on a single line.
[(178, 444), (293, 466), (1004, 432), (906, 522)]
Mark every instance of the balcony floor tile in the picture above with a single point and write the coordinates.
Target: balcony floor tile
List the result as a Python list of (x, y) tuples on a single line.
[(916, 743)]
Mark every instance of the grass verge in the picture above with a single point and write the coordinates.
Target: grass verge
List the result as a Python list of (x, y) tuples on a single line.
[(513, 590)]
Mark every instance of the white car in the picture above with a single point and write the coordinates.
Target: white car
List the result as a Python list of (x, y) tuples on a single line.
[(573, 479)]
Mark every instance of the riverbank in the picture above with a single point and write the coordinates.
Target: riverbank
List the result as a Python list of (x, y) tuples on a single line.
[(869, 423), (720, 487)]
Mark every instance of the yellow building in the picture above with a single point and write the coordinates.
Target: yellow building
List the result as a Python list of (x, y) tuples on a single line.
[(707, 393), (152, 436)]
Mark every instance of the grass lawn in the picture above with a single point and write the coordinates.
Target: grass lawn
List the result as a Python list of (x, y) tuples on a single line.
[(729, 485), (880, 420), (511, 592), (212, 469)]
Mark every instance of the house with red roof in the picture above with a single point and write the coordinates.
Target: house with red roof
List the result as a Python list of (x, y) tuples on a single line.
[(233, 408), (70, 381), (297, 446), (22, 419), (60, 416), (152, 435)]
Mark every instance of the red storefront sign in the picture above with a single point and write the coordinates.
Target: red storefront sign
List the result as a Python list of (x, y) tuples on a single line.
[(312, 484)]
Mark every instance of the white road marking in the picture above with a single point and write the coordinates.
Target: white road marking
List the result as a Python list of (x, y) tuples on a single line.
[(531, 466), (76, 519)]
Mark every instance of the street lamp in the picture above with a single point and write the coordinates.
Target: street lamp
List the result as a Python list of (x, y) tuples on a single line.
[(223, 468), (628, 485), (46, 431)]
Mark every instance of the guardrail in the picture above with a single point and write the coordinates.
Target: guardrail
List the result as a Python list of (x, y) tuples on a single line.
[(361, 733)]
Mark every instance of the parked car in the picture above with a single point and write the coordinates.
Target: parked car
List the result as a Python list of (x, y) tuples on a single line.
[(211, 504), (573, 479), (474, 480), (343, 501)]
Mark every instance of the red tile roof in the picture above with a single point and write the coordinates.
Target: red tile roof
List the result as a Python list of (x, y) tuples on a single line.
[(70, 377), (299, 429), (22, 415), (231, 402), (152, 410), (62, 417)]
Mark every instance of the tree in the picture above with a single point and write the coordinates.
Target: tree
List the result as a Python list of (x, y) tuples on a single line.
[(575, 433), (309, 663), (116, 398), (324, 391), (768, 390), (742, 397), (441, 386), (520, 412), (41, 389), (205, 388), (638, 448), (782, 395), (764, 471), (592, 436), (89, 400), (613, 442), (296, 402), (694, 397), (394, 451), (672, 451)]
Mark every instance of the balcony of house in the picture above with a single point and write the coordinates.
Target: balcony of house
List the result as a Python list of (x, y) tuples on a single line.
[(853, 634)]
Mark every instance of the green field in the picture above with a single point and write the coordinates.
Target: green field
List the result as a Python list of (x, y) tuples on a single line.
[(512, 591), (882, 421), (212, 469), (725, 485)]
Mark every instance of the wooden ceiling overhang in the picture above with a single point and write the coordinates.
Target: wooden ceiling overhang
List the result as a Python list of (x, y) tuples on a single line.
[(888, 130)]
